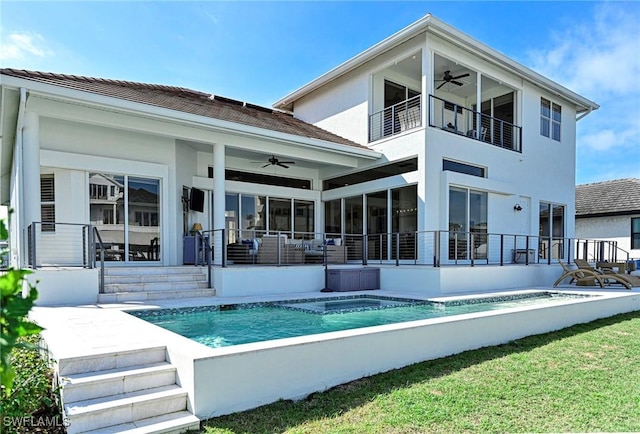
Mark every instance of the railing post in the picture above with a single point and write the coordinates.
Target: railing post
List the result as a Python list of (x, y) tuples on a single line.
[(85, 248), (34, 255), (501, 249), (526, 251), (470, 248), (224, 248), (397, 249), (436, 249), (365, 249), (278, 252)]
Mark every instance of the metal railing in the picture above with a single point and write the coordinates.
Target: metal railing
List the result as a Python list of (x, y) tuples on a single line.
[(395, 119), (80, 245), (460, 120), (431, 248), (59, 245), (97, 251)]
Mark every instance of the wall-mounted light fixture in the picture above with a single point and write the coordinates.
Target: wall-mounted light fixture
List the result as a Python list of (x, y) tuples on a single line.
[(517, 207)]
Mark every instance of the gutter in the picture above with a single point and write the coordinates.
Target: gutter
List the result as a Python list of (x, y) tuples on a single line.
[(584, 114)]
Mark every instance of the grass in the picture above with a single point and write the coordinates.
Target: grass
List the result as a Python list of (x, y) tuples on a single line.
[(585, 378)]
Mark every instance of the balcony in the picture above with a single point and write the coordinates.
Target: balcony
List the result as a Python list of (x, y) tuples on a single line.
[(456, 119), (395, 119)]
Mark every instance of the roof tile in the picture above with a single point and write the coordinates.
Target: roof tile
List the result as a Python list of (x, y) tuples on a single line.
[(618, 196), (187, 101)]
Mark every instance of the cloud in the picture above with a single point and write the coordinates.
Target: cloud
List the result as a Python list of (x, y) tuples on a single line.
[(21, 46), (596, 57)]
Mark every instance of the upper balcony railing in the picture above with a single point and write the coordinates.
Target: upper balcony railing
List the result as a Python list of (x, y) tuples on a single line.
[(457, 119), (395, 119)]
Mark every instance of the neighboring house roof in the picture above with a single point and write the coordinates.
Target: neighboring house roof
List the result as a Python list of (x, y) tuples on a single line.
[(444, 30), (187, 101), (607, 198)]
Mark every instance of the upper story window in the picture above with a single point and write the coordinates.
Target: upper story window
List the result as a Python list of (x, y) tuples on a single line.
[(395, 93), (467, 169), (550, 119)]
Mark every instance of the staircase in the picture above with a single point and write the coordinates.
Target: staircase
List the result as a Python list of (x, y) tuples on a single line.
[(122, 284), (125, 392)]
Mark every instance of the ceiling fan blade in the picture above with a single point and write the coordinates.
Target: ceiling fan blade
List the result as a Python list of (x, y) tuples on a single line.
[(441, 84), (282, 165), (269, 164), (460, 76), (288, 162), (457, 82)]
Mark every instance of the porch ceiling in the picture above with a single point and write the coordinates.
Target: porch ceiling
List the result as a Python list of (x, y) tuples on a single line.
[(303, 158)]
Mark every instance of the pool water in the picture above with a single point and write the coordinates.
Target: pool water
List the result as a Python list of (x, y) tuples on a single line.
[(220, 326)]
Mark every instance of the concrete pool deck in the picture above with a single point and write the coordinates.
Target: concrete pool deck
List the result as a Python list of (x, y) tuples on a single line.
[(224, 380)]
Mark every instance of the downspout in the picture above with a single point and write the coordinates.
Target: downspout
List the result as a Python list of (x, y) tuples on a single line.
[(19, 177)]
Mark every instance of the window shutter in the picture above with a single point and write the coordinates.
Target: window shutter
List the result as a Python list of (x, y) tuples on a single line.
[(47, 202)]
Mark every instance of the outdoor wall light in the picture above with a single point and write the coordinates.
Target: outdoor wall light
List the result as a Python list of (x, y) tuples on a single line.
[(517, 207)]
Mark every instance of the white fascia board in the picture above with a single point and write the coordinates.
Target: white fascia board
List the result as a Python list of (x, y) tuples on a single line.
[(429, 22), (136, 108)]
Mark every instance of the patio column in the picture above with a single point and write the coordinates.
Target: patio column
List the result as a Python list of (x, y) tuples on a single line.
[(219, 203), (31, 168), (479, 106)]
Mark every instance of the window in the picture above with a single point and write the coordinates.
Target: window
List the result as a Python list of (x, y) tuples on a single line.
[(635, 233), (550, 119), (551, 221), (395, 93), (467, 215), (47, 203), (467, 169)]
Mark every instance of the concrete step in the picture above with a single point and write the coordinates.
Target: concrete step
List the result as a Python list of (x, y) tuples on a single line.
[(111, 360), (129, 271), (99, 384), (152, 278), (122, 297), (155, 286), (124, 408), (177, 422)]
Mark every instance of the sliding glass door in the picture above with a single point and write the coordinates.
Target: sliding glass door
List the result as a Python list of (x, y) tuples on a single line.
[(126, 212)]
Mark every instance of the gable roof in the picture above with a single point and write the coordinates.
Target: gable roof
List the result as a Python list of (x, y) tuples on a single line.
[(433, 24), (615, 197), (187, 101)]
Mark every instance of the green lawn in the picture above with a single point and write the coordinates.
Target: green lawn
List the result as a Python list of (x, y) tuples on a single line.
[(582, 379)]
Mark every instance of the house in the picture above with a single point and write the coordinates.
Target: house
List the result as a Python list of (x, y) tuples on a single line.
[(429, 148), (610, 210)]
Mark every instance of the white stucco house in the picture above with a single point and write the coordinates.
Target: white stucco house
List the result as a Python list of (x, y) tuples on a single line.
[(610, 210), (427, 149)]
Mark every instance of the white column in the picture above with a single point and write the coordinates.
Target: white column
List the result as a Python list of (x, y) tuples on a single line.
[(31, 168), (218, 199)]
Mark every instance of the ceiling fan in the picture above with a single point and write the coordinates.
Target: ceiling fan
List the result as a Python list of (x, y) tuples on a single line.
[(448, 78), (273, 161)]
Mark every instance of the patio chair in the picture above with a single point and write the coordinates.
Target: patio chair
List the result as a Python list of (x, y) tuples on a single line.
[(582, 277), (627, 280)]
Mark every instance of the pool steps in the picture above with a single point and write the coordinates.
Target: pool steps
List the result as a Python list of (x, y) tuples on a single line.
[(131, 391), (124, 284)]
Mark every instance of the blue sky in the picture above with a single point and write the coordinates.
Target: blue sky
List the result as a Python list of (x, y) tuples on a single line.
[(261, 51)]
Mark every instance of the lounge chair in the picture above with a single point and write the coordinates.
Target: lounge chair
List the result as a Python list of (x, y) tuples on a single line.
[(627, 281), (582, 277)]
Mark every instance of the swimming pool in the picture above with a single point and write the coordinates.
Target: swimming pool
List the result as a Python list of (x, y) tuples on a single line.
[(228, 325)]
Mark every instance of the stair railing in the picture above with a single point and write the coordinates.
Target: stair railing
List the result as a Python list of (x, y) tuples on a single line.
[(97, 241)]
